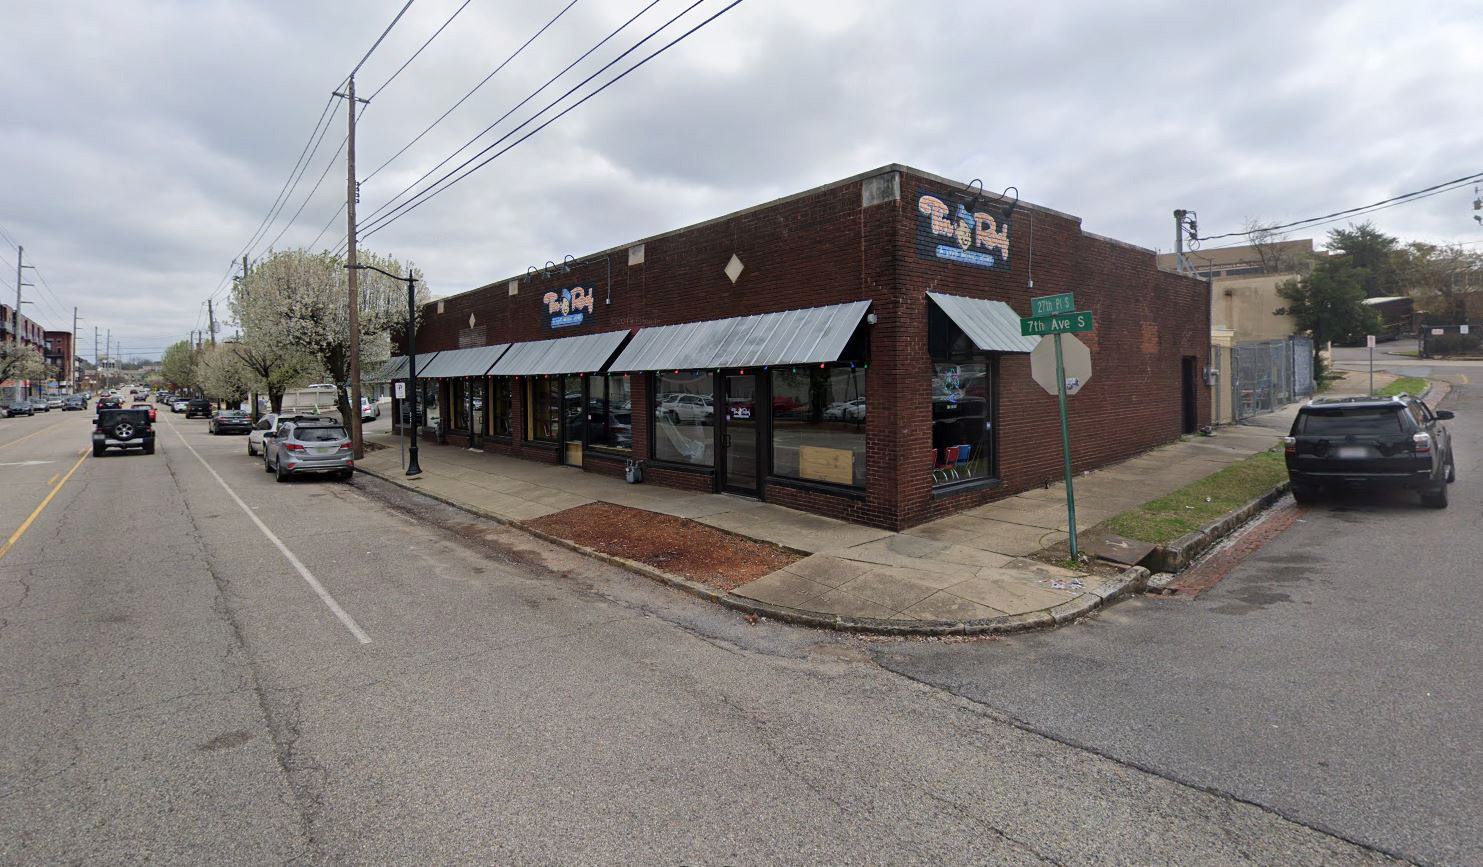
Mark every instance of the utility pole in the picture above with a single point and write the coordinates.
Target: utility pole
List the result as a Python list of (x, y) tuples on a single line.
[(211, 318), (1181, 218), (352, 193), (107, 350), (97, 361), (72, 354), (20, 255)]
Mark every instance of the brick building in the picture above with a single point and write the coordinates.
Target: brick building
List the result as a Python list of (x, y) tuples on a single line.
[(741, 354), (60, 357)]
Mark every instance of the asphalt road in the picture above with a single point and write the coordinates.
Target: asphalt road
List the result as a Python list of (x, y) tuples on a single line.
[(177, 689), (1333, 678)]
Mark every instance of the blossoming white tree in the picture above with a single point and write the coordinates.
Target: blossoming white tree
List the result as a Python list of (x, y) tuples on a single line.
[(293, 309)]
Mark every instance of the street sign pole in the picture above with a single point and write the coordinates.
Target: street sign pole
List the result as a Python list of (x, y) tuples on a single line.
[(1066, 447), (1370, 342)]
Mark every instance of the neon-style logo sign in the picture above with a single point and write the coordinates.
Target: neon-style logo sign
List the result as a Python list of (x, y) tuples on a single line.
[(949, 230), (566, 307)]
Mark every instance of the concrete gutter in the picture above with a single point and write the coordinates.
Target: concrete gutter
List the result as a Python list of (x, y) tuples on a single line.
[(1131, 581)]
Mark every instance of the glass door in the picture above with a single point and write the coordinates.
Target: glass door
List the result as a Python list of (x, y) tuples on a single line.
[(739, 435), (574, 414)]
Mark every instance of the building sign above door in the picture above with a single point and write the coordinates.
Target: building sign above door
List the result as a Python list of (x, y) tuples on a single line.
[(961, 229), (566, 307)]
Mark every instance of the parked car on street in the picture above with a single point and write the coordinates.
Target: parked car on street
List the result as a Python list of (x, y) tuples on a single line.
[(74, 401), (40, 405), (54, 402), (198, 406), (235, 421), (164, 397), (179, 404), (369, 409), (301, 446), (1370, 443), (123, 429), (18, 407)]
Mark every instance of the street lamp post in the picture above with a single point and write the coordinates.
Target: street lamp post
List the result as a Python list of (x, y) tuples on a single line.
[(412, 466)]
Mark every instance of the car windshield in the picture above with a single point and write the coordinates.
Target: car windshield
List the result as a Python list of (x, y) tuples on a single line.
[(319, 434), (1360, 421), (233, 413)]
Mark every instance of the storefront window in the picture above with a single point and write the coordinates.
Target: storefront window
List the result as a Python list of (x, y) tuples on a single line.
[(961, 421), (476, 405), (431, 407), (458, 404), (544, 409), (818, 425), (685, 418), (610, 413), (499, 409)]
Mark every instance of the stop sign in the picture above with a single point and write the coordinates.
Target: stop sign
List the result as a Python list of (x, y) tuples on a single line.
[(1076, 360)]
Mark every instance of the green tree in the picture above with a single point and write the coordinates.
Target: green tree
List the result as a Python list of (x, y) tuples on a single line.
[(178, 365), (222, 374), (1329, 304), (1446, 280), (1377, 253)]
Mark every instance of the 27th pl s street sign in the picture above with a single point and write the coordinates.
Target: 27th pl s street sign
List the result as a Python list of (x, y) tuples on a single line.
[(1060, 323)]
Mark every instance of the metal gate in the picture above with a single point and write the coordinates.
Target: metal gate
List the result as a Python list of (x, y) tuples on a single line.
[(1269, 374)]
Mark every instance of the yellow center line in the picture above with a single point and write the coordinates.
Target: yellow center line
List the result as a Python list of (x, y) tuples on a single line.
[(21, 531), (29, 435), (53, 478)]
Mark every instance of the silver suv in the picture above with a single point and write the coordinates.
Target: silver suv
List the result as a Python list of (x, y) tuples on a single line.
[(307, 444)]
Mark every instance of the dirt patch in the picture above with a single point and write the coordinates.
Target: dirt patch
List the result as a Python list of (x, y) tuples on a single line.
[(675, 545)]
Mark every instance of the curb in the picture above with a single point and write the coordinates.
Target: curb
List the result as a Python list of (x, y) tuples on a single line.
[(1179, 553), (1131, 581)]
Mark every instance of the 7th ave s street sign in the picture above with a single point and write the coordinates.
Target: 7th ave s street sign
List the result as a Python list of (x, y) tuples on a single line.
[(1059, 323)]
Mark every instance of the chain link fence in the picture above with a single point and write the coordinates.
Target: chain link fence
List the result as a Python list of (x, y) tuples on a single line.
[(1268, 374)]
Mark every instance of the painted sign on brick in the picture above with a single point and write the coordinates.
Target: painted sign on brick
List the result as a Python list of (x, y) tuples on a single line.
[(567, 307), (958, 228)]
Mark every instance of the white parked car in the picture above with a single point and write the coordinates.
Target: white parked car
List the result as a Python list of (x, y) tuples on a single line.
[(180, 405), (369, 409)]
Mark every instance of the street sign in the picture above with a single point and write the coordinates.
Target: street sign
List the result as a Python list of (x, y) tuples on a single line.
[(1076, 360), (401, 390), (1061, 323), (1462, 329), (1046, 305), (1370, 341), (1436, 332)]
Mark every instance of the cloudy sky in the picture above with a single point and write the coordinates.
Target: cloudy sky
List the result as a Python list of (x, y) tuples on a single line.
[(144, 142)]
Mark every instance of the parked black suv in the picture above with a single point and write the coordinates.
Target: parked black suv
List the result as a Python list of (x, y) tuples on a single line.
[(1370, 442), (198, 406), (123, 429)]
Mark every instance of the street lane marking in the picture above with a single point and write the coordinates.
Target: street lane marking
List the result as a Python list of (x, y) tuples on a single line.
[(29, 435), (27, 464), (53, 476), (16, 536), (303, 570)]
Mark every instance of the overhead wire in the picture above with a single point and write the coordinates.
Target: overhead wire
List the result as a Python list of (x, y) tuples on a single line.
[(377, 43), (434, 189), (1416, 195), (371, 218), (473, 90), (429, 41)]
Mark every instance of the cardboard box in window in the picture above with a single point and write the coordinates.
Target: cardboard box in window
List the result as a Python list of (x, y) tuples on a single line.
[(826, 465)]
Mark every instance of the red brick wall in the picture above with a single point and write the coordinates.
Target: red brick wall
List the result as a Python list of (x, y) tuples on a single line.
[(823, 247)]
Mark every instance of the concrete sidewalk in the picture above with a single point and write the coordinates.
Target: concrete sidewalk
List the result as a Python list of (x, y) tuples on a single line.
[(972, 567)]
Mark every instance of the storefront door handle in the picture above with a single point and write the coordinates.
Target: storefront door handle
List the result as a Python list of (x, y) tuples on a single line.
[(726, 440)]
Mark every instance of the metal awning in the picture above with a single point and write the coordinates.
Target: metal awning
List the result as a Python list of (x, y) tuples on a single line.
[(993, 326), (394, 368), (474, 361), (585, 353), (812, 334)]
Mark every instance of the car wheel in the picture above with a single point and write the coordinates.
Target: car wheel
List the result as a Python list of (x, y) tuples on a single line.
[(1435, 498), (98, 451), (149, 448), (267, 467), (1304, 495), (123, 430), (1451, 469), (347, 475), (251, 452), (280, 475)]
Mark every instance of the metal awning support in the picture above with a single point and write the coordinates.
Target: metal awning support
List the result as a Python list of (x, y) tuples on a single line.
[(809, 335), (584, 353), (993, 326)]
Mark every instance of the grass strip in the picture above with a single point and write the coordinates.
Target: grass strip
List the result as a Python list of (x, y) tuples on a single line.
[(1201, 502), (1411, 385)]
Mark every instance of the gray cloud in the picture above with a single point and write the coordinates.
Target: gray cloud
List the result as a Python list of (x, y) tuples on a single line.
[(145, 141)]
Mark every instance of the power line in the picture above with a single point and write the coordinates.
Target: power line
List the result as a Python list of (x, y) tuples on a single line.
[(1422, 193), (432, 190), (377, 43), (419, 51), (322, 175), (472, 91)]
